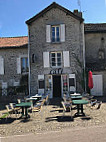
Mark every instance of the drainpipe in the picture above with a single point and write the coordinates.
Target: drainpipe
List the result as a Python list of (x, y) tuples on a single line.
[(29, 59), (83, 38)]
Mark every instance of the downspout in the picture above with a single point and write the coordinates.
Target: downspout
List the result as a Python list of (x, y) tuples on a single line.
[(83, 38), (29, 60)]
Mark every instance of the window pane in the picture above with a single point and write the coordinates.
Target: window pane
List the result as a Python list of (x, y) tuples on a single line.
[(27, 62), (53, 34), (41, 84), (53, 62), (59, 55), (71, 82), (53, 55), (53, 29), (23, 63), (58, 60)]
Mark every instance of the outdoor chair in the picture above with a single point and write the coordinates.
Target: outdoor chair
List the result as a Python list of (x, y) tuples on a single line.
[(38, 107), (93, 102), (19, 101), (96, 104), (87, 96), (66, 99), (9, 110), (47, 100), (66, 106), (15, 109), (99, 104)]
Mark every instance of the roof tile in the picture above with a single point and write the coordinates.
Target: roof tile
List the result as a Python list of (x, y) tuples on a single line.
[(13, 41)]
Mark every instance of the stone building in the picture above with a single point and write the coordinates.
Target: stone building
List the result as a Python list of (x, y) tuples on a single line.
[(95, 43), (13, 61), (56, 51), (58, 46)]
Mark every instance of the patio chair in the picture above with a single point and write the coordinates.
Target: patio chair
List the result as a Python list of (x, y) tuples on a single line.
[(38, 107), (66, 106), (47, 100), (87, 96), (15, 109), (9, 110), (19, 101), (93, 102), (99, 104)]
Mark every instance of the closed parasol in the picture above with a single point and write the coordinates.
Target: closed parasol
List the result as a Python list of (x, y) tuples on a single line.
[(90, 80)]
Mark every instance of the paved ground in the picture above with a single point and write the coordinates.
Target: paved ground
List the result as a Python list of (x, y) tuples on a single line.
[(90, 134)]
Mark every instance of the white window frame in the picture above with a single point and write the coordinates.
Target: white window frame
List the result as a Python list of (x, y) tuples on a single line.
[(26, 58), (55, 26), (19, 71), (55, 59)]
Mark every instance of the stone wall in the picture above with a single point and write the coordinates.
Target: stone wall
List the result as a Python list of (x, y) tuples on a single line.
[(37, 42), (10, 56), (93, 43)]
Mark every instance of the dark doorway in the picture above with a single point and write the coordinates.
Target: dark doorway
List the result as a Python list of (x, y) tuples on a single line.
[(56, 86)]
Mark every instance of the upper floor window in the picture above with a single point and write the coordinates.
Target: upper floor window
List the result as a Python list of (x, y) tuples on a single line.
[(55, 34), (24, 64), (56, 59)]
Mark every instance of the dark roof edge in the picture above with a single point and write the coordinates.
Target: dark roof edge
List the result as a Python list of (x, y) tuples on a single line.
[(53, 5), (13, 47)]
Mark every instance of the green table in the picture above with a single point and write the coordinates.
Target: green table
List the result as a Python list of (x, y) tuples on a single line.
[(24, 106), (79, 104)]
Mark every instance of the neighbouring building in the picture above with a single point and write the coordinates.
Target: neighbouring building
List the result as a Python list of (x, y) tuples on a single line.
[(13, 61), (59, 48), (95, 43)]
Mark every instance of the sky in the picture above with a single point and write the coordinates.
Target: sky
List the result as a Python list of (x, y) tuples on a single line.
[(14, 13)]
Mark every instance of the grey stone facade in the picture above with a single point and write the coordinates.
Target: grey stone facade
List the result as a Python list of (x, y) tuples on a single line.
[(10, 63), (73, 43), (10, 77), (95, 44)]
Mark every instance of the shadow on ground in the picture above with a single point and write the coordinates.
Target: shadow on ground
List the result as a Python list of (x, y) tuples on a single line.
[(7, 120), (60, 119)]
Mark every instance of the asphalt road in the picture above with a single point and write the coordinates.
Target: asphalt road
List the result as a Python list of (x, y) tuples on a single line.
[(90, 134)]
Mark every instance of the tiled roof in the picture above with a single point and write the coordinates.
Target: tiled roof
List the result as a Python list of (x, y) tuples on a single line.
[(97, 28), (13, 41)]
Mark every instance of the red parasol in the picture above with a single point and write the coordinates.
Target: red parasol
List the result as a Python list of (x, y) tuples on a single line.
[(90, 80)]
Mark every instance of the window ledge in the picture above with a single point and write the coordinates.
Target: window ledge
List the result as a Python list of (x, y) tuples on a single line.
[(24, 73), (56, 42)]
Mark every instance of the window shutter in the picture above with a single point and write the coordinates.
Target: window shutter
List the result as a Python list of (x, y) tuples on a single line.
[(72, 83), (18, 65), (62, 32), (1, 66), (46, 59), (48, 38), (41, 84), (66, 59)]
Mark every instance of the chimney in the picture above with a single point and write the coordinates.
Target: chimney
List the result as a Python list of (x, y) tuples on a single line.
[(76, 12)]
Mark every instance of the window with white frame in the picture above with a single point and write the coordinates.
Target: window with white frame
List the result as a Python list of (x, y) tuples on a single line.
[(55, 33), (24, 65), (56, 59)]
